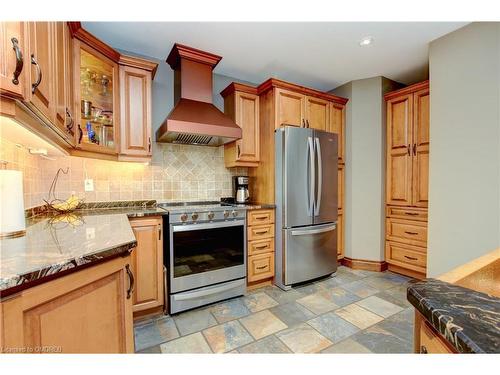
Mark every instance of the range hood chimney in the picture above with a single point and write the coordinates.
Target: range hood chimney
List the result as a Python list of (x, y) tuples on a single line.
[(194, 119)]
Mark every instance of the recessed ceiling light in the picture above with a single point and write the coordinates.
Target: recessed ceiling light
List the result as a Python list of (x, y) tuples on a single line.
[(366, 41)]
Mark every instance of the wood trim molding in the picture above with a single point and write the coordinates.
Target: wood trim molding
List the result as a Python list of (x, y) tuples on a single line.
[(235, 86), (405, 271), (78, 32), (407, 90), (181, 51), (140, 63), (273, 82), (361, 264)]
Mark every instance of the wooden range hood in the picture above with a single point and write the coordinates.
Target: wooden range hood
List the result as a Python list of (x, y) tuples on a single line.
[(194, 119)]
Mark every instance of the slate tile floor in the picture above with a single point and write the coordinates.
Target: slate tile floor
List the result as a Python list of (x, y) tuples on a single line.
[(352, 312)]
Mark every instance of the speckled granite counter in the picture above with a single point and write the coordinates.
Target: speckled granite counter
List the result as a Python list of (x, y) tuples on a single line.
[(255, 206), (54, 245), (468, 320)]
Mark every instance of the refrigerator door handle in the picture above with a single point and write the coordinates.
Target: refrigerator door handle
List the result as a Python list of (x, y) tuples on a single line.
[(314, 231), (317, 204), (312, 173)]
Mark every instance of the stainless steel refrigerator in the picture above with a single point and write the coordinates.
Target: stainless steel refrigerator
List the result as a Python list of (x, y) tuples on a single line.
[(306, 204)]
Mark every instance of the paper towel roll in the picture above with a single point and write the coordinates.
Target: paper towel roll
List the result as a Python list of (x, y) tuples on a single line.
[(12, 221)]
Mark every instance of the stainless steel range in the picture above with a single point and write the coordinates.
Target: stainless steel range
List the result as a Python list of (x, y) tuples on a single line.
[(206, 253)]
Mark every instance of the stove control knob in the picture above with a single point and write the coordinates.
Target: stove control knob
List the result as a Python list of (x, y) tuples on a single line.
[(210, 215), (226, 214), (194, 216), (184, 217), (234, 213)]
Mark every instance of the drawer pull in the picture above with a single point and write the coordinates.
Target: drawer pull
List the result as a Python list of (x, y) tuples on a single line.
[(261, 247), (411, 213), (261, 267), (261, 217), (412, 233), (423, 350), (262, 231), (411, 258)]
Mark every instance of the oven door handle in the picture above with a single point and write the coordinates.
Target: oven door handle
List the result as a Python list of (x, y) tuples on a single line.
[(209, 291), (222, 224)]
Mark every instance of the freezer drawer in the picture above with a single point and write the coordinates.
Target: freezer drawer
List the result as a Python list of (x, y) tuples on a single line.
[(310, 252)]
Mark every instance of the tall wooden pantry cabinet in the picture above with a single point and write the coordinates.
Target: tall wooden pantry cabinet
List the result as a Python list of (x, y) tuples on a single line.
[(407, 185)]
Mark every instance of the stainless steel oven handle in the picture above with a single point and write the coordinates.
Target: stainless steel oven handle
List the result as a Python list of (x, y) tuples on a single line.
[(209, 291), (221, 224), (313, 231)]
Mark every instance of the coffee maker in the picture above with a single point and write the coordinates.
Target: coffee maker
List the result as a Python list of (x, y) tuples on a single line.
[(240, 189)]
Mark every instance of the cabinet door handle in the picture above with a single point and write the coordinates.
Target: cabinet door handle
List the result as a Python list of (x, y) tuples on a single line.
[(131, 281), (414, 149), (423, 350), (80, 131), (159, 232), (412, 233), (149, 144), (19, 61), (69, 126), (239, 150), (303, 123), (261, 231), (261, 247), (261, 267), (38, 75), (410, 258), (409, 149), (307, 122), (261, 217)]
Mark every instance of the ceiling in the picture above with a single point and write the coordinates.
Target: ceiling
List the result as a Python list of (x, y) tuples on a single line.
[(322, 55)]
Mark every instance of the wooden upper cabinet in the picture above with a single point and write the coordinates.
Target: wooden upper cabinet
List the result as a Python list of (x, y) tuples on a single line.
[(14, 61), (317, 113), (39, 90), (97, 92), (241, 103), (420, 148), (290, 108), (63, 67), (337, 125), (147, 263), (135, 119), (399, 159)]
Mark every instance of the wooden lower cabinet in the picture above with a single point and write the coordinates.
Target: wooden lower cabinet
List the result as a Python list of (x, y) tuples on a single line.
[(147, 263), (260, 246), (89, 311), (427, 339)]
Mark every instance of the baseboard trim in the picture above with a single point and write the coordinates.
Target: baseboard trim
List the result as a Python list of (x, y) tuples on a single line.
[(406, 272), (362, 264)]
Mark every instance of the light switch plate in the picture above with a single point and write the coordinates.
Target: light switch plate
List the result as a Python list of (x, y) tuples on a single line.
[(89, 184)]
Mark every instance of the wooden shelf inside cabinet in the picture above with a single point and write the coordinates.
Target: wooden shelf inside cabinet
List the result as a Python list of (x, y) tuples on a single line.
[(97, 93)]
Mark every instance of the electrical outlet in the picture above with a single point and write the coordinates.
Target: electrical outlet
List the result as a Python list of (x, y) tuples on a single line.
[(90, 233), (89, 184)]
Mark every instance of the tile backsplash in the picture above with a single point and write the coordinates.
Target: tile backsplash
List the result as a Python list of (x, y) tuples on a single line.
[(177, 172)]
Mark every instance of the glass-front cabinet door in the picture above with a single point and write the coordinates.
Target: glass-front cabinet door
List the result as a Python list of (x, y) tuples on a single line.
[(96, 80)]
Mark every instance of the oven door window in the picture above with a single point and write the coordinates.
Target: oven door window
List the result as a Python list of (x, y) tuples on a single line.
[(203, 250)]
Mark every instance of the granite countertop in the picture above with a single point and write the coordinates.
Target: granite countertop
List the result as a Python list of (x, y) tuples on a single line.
[(468, 320), (255, 205), (59, 244), (56, 244)]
